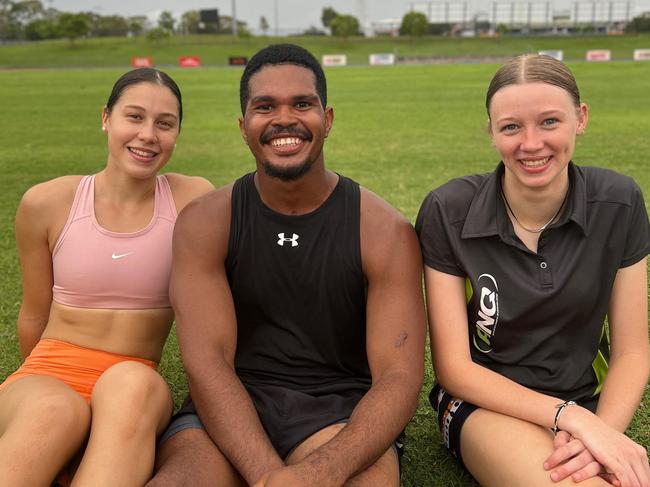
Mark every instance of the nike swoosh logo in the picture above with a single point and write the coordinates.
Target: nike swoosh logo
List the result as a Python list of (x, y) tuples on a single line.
[(119, 256)]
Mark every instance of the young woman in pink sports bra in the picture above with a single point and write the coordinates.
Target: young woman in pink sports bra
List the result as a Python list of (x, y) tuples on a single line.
[(87, 403)]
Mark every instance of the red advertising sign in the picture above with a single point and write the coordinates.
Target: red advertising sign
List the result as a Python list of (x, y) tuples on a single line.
[(141, 62), (237, 60), (189, 61)]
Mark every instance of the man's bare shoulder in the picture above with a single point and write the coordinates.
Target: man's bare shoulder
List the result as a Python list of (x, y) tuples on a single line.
[(212, 203), (207, 216), (187, 188), (379, 216), (388, 240)]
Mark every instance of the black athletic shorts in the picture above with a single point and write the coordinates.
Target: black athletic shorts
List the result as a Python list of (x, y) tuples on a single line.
[(453, 412), (288, 416)]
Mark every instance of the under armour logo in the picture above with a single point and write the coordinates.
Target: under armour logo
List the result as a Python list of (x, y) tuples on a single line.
[(293, 240)]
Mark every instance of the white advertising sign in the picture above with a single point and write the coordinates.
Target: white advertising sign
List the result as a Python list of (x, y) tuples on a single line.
[(382, 59), (335, 60), (642, 54)]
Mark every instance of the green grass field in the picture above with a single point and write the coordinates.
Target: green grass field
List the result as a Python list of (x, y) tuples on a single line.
[(399, 131), (214, 50)]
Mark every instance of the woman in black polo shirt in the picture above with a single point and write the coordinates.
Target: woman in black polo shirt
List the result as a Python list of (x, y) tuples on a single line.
[(522, 267)]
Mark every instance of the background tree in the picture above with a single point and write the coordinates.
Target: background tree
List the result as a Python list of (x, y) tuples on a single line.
[(264, 25), (166, 21), (190, 22), (157, 34), (9, 27), (27, 10), (50, 13), (314, 31), (73, 26), (137, 25), (413, 24), (225, 26), (40, 29), (111, 25), (638, 24), (345, 26), (327, 16), (502, 29)]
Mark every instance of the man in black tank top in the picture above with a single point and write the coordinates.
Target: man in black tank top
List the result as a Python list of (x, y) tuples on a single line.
[(298, 306)]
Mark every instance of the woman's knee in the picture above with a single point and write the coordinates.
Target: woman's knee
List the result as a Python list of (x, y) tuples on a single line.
[(132, 388), (487, 440), (63, 408), (130, 380), (47, 406)]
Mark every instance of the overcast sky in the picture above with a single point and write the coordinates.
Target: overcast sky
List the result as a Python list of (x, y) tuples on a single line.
[(292, 14), (297, 15)]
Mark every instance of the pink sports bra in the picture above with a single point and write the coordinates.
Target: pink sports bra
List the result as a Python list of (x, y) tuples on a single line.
[(96, 268)]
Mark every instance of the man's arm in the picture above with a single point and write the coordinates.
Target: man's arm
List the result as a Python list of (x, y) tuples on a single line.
[(207, 334), (396, 329)]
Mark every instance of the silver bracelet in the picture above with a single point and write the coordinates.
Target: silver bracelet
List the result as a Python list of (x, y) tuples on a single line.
[(560, 407)]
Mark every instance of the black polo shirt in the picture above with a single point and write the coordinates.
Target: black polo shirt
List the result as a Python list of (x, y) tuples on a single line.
[(538, 318)]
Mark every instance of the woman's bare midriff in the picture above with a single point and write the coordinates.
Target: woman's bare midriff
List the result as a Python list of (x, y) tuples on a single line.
[(134, 332)]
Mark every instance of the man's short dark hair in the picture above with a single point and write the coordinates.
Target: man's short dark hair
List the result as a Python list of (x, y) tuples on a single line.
[(282, 54)]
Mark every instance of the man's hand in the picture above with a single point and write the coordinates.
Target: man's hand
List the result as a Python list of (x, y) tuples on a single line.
[(291, 476)]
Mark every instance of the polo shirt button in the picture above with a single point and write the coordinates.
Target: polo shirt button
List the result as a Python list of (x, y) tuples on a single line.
[(543, 265)]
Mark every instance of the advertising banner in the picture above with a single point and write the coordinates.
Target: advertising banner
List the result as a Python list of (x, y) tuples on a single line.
[(141, 62), (382, 59), (642, 54), (335, 60), (599, 55), (189, 61)]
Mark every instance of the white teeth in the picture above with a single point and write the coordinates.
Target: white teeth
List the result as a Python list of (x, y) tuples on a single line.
[(285, 141), (142, 153), (534, 162)]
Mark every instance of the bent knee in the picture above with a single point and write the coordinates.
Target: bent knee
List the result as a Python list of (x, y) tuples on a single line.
[(190, 458), (484, 424), (63, 410), (133, 390), (485, 437), (131, 382), (52, 407)]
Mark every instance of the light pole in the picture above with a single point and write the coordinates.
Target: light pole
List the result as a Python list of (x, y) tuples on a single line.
[(275, 16), (234, 17)]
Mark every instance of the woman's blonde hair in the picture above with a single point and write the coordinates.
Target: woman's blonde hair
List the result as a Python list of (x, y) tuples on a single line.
[(533, 68)]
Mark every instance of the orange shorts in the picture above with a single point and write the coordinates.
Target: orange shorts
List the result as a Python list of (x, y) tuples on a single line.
[(77, 366)]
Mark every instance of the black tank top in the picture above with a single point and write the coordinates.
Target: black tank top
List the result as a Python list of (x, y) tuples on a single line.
[(299, 292)]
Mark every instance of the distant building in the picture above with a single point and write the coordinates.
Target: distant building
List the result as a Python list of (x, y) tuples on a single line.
[(532, 17), (386, 27)]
